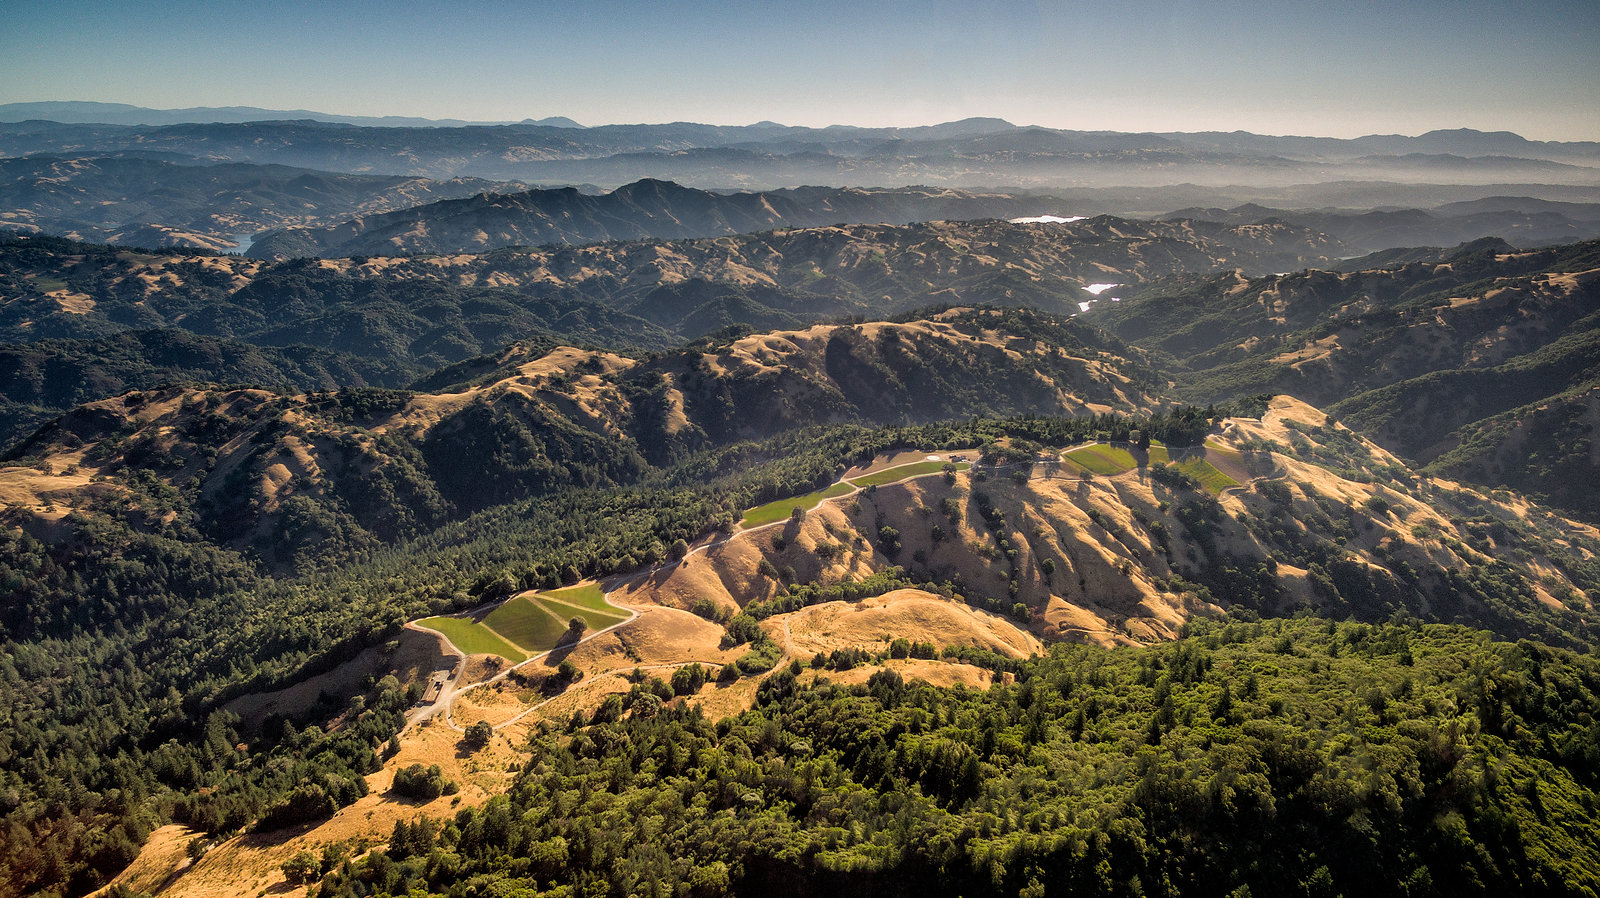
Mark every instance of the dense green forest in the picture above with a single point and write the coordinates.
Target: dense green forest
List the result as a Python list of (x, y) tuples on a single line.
[(1300, 757)]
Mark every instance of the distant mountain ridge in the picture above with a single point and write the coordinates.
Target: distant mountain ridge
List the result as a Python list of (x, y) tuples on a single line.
[(645, 209), (155, 199), (139, 200), (83, 112), (664, 210), (972, 152), (1523, 221), (1464, 141)]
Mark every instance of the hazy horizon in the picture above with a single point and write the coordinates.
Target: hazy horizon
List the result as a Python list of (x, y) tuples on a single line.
[(745, 124), (1279, 69)]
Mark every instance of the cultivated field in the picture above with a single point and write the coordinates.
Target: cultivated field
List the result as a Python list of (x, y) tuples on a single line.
[(528, 624), (1102, 459), (781, 508), (1109, 461), (1212, 479), (472, 637), (586, 596), (892, 475)]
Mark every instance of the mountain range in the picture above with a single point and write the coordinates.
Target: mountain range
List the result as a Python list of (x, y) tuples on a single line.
[(970, 153), (125, 114), (280, 211), (425, 507), (82, 318)]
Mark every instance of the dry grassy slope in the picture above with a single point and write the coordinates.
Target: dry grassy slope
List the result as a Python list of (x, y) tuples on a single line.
[(250, 864), (1089, 597), (952, 365), (1431, 523), (233, 456), (238, 457), (1479, 328), (948, 367), (1113, 580), (914, 614)]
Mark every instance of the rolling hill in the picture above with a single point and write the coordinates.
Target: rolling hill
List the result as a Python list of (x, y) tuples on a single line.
[(395, 320), (1421, 354)]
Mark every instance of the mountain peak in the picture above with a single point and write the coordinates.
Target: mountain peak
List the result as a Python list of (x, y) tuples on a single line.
[(554, 121), (653, 185)]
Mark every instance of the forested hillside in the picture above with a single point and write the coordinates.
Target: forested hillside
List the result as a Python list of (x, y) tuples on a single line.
[(1296, 757)]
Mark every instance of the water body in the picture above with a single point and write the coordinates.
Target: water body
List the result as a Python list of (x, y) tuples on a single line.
[(1097, 289), (245, 241), (1048, 219)]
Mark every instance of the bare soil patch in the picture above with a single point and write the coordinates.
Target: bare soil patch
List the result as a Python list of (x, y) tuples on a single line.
[(934, 673), (910, 613)]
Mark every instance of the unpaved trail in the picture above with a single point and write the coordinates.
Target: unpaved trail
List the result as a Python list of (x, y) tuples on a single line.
[(588, 682)]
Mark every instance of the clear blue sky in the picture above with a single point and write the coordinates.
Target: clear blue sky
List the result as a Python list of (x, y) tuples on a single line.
[(1328, 68)]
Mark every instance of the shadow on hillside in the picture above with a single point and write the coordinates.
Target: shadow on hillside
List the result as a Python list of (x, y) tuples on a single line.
[(257, 841)]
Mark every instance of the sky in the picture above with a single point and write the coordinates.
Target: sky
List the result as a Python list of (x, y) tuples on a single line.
[(1335, 68)]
